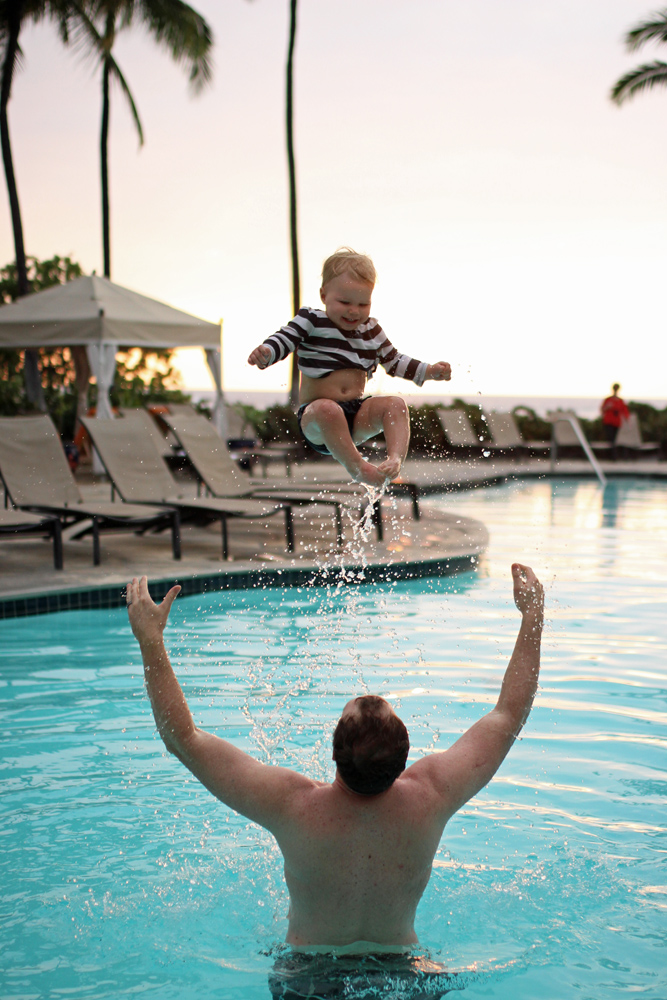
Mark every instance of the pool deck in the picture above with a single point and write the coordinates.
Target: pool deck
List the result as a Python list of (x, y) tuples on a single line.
[(439, 543)]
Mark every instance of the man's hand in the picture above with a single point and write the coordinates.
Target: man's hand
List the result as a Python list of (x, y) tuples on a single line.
[(528, 593), (261, 356), (440, 371), (147, 618)]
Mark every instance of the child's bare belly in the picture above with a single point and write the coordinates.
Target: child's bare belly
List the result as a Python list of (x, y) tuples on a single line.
[(350, 383)]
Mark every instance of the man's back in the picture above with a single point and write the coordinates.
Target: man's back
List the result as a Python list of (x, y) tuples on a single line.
[(356, 866), (358, 852)]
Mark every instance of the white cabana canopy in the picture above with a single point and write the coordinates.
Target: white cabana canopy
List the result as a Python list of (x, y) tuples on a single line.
[(101, 316)]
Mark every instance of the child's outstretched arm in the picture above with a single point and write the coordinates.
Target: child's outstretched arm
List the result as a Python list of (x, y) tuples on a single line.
[(283, 342), (403, 366)]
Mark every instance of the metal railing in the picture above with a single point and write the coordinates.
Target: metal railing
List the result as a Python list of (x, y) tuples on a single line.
[(572, 420)]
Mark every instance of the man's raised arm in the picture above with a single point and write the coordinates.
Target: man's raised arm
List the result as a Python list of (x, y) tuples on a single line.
[(256, 790), (464, 769)]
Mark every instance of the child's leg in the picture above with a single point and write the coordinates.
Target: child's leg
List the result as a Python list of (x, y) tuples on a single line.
[(323, 422), (388, 414)]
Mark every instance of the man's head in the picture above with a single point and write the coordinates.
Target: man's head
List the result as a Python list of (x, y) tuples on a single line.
[(370, 745), (348, 279), (615, 387)]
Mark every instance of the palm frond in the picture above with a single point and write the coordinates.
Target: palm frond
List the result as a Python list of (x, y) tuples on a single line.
[(82, 33), (184, 32), (637, 80), (19, 58), (173, 24), (648, 31), (31, 10), (116, 72)]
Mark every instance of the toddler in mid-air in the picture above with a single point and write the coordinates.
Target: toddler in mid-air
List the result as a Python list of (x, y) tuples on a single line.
[(338, 350)]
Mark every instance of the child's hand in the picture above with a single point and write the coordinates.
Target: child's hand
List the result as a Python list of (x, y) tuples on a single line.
[(441, 370), (261, 356)]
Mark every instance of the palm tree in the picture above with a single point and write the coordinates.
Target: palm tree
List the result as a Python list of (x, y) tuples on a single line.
[(14, 14), (175, 26), (294, 245), (650, 74)]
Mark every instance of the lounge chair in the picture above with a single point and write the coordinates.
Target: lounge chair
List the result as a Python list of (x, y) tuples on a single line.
[(16, 524), (215, 468), (629, 439), (506, 435), (337, 478), (135, 415), (330, 488), (139, 476), (461, 435), (37, 478), (242, 438)]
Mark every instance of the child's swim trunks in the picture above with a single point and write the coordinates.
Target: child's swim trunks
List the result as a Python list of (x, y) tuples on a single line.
[(350, 408)]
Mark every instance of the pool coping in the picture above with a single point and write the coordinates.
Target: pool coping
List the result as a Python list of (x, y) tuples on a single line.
[(113, 596)]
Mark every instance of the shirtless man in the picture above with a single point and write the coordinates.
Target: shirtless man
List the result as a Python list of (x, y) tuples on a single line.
[(358, 852)]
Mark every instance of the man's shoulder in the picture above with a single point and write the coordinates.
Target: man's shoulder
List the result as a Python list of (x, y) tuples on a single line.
[(427, 776)]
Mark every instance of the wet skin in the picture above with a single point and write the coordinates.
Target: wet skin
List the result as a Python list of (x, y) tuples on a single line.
[(355, 865)]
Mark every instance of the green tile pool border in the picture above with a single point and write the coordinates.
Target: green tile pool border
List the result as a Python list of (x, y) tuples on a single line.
[(92, 598)]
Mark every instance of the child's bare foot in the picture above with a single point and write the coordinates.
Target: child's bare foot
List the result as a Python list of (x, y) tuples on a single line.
[(369, 475), (390, 468)]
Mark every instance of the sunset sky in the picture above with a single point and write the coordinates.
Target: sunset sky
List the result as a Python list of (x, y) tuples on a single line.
[(517, 219)]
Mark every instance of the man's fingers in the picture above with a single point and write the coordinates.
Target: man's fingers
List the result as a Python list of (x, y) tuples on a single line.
[(131, 591), (525, 579), (170, 597)]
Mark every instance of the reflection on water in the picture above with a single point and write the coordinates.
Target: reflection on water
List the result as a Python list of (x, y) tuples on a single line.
[(123, 876), (575, 528)]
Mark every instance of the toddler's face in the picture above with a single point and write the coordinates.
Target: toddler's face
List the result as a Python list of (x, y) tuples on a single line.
[(347, 301)]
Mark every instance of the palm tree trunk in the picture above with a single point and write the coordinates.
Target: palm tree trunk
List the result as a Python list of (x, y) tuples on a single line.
[(5, 92), (33, 382), (294, 245), (104, 166)]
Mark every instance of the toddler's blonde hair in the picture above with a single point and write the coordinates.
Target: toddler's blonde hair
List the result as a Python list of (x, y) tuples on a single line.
[(346, 260)]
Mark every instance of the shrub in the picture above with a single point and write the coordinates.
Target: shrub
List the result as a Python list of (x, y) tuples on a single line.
[(531, 427)]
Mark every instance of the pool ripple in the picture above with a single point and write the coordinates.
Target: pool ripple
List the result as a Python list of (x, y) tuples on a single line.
[(122, 876)]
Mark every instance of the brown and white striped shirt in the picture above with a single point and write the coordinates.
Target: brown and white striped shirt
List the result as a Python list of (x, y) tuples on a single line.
[(322, 348)]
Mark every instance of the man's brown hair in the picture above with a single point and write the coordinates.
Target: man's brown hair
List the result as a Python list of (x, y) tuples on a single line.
[(370, 748)]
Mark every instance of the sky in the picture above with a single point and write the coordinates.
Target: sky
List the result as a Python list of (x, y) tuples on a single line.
[(516, 217)]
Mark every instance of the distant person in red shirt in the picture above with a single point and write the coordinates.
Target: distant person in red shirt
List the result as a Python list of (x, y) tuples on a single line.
[(614, 412)]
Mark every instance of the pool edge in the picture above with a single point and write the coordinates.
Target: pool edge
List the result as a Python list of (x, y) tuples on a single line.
[(113, 596)]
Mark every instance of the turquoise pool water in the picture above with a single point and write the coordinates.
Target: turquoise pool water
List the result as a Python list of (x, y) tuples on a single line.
[(122, 877)]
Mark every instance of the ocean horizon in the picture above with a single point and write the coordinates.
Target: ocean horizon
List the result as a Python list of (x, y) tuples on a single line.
[(583, 406)]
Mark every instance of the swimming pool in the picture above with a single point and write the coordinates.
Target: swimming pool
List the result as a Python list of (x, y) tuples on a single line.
[(121, 876)]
